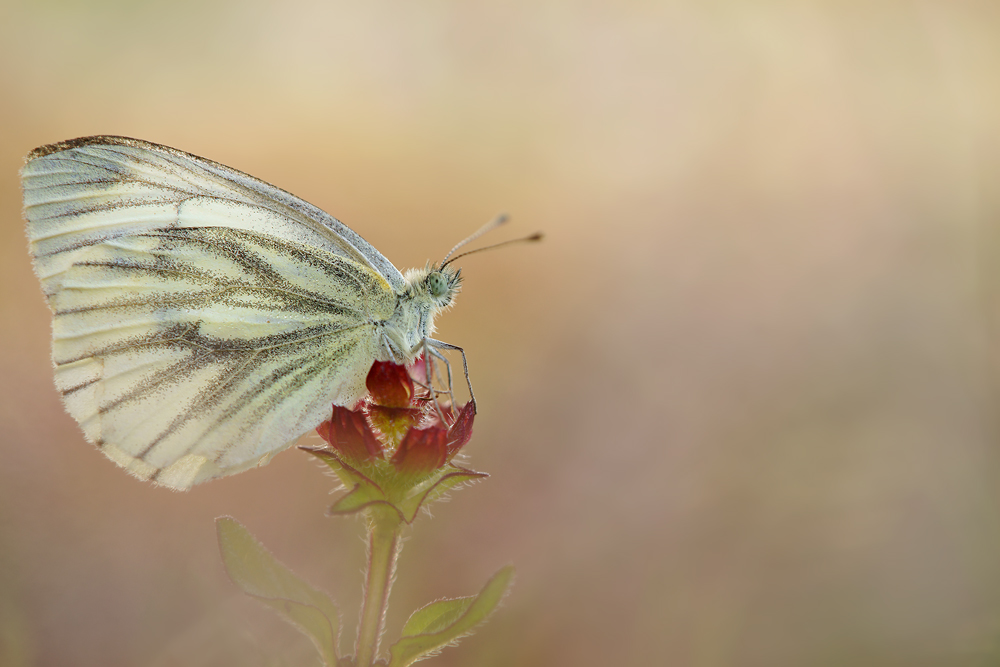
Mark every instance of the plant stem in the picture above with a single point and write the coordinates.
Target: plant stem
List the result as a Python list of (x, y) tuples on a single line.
[(383, 547)]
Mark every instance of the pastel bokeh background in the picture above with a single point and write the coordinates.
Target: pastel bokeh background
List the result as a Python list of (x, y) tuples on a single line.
[(740, 408)]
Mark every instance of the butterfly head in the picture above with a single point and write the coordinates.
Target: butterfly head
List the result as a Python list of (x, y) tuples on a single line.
[(435, 286)]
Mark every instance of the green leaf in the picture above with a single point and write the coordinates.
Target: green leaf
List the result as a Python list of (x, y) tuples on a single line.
[(436, 616), (446, 621), (262, 576)]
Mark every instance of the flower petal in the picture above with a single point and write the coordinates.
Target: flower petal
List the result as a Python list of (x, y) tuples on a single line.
[(422, 450), (348, 433), (461, 431)]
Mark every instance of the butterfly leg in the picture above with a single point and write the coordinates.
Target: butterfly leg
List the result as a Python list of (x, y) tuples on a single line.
[(429, 373), (447, 365), (393, 354), (435, 374), (440, 345)]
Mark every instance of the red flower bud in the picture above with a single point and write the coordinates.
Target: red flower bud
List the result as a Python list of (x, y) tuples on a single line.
[(390, 385), (349, 434)]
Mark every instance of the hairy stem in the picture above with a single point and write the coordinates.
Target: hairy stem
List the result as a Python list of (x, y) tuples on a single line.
[(383, 547)]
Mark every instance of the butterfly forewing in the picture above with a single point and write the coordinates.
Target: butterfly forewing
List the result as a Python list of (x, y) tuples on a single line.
[(132, 186), (192, 301)]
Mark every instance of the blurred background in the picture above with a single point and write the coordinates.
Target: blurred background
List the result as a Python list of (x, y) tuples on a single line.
[(740, 408)]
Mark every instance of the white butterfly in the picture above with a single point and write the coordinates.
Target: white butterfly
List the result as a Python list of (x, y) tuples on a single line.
[(203, 319)]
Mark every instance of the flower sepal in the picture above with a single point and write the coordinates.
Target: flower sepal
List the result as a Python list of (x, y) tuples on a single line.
[(403, 494), (433, 487), (362, 492)]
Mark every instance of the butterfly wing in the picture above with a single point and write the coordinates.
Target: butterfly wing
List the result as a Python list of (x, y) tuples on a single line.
[(102, 187), (203, 319)]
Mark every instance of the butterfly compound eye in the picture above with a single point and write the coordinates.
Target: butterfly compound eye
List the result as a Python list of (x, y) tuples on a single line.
[(437, 285)]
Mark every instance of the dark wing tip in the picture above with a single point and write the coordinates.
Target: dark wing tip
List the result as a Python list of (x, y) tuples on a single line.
[(114, 140), (61, 146)]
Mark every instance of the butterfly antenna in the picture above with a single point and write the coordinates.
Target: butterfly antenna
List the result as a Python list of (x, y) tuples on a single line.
[(488, 227), (537, 236)]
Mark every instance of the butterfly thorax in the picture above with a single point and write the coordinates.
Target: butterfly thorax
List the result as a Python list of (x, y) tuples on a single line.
[(428, 291)]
